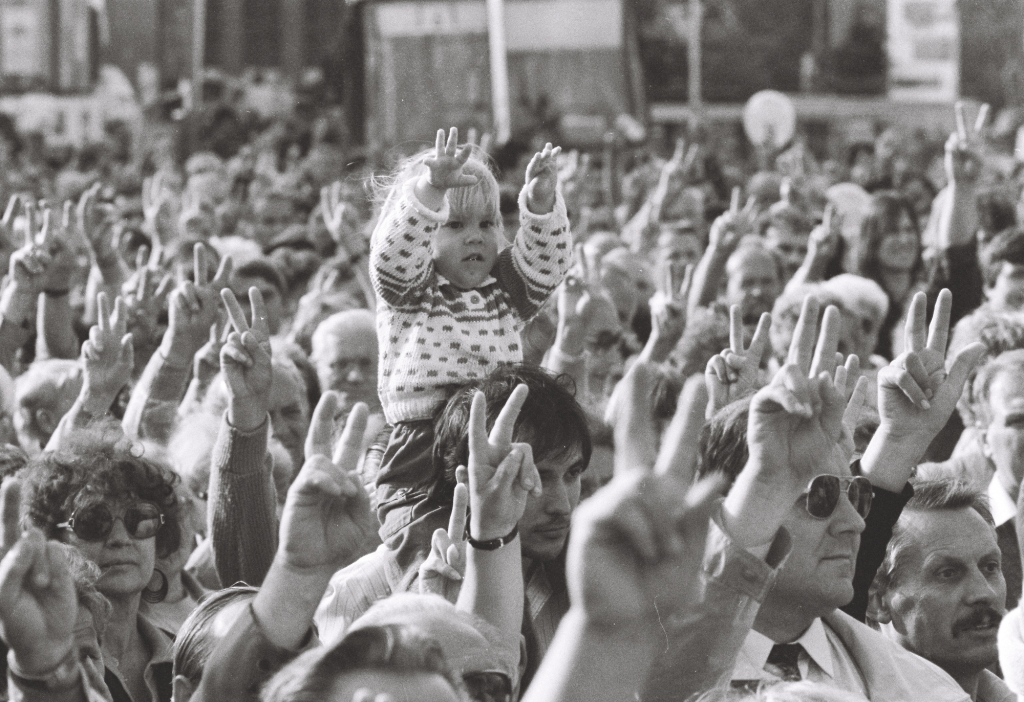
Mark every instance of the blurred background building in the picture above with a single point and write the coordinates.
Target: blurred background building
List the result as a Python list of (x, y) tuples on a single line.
[(573, 67)]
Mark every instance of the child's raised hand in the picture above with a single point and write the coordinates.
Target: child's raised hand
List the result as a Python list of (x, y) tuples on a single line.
[(446, 166), (542, 180)]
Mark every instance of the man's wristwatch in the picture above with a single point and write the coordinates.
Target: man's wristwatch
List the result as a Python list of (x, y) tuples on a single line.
[(495, 544)]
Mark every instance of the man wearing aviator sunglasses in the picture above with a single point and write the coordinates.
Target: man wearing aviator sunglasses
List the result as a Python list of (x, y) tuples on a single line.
[(798, 482)]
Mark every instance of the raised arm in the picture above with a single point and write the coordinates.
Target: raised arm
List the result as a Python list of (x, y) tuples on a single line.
[(955, 263), (324, 526), (56, 336), (27, 272), (96, 223), (725, 236), (108, 359), (795, 425), (502, 475), (193, 308), (540, 256), (821, 249), (634, 565), (916, 395), (668, 315), (582, 304), (243, 501), (400, 247)]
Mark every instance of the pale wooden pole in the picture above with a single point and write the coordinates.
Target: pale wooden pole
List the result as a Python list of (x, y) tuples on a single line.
[(499, 71)]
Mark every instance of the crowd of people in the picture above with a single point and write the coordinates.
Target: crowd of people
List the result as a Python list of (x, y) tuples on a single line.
[(289, 424)]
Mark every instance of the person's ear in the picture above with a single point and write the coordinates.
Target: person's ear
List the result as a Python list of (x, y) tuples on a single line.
[(44, 422), (986, 447), (878, 604), (182, 689)]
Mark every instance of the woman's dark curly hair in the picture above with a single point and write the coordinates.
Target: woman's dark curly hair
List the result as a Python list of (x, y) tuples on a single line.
[(109, 470)]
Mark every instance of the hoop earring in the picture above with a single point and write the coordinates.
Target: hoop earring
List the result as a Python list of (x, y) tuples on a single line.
[(158, 594)]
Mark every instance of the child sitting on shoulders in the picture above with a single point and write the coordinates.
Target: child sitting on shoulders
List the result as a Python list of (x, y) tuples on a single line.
[(452, 294)]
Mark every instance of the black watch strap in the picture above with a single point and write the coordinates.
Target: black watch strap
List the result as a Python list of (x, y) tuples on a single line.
[(495, 544)]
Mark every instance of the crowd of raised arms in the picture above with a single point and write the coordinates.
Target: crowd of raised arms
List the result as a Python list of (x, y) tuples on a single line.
[(292, 423)]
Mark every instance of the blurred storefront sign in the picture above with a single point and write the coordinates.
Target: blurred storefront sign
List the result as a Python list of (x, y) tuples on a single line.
[(20, 40), (568, 67), (75, 120), (49, 44), (924, 50)]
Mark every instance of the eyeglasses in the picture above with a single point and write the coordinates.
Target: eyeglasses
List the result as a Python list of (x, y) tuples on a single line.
[(488, 686), (95, 522), (824, 490)]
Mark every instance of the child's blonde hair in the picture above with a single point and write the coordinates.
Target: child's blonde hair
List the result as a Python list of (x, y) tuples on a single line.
[(482, 196)]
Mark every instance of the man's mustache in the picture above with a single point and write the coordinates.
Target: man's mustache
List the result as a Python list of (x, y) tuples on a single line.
[(979, 616)]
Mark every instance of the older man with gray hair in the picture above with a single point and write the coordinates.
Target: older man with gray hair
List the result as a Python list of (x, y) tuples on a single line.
[(940, 591)]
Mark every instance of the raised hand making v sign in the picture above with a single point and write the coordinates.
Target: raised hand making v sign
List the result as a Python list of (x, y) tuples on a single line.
[(502, 475), (916, 394), (246, 363), (795, 431), (735, 373)]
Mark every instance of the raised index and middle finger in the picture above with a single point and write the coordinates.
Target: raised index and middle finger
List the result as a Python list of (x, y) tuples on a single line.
[(501, 433), (235, 312), (801, 348)]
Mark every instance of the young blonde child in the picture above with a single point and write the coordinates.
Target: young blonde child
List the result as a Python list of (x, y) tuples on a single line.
[(453, 295)]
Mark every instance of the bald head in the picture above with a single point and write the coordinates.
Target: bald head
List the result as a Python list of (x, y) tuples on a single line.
[(470, 643), (345, 356)]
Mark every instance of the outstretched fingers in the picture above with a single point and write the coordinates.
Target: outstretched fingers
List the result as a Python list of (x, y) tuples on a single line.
[(501, 432), (321, 429), (199, 270), (855, 405), (460, 511), (235, 312), (828, 341), (938, 332), (350, 445), (966, 359), (103, 313), (737, 336), (801, 349), (260, 324), (917, 323), (762, 335)]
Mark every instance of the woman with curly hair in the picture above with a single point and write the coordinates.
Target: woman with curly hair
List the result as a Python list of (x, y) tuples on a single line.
[(119, 510)]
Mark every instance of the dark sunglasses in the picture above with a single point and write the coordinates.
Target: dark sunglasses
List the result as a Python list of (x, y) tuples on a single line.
[(824, 491), (95, 522), (488, 686)]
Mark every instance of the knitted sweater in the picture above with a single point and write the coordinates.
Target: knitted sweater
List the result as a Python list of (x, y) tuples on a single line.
[(432, 334)]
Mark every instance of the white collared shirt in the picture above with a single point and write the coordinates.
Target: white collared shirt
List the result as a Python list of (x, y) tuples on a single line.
[(1002, 505), (824, 659)]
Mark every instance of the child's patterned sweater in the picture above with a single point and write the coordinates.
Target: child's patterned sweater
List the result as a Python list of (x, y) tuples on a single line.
[(432, 334)]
